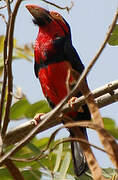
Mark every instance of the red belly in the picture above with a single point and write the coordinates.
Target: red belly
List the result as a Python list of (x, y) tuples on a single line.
[(54, 80)]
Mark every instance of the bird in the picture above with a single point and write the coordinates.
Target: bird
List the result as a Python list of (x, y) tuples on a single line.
[(58, 66)]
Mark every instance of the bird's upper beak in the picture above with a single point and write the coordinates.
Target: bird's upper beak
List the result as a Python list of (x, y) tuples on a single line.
[(40, 14)]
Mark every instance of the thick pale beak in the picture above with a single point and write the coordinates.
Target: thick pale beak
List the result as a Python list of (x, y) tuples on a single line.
[(37, 12)]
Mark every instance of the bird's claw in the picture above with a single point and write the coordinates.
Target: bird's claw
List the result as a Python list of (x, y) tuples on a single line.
[(37, 118), (71, 101)]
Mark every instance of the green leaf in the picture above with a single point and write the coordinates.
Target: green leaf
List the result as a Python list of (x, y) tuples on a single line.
[(31, 174), (65, 165), (1, 63), (114, 132), (25, 153), (21, 55), (58, 157), (113, 40), (109, 172), (43, 142), (1, 66), (23, 165), (4, 174), (0, 87), (33, 148), (29, 50), (40, 143), (23, 109), (18, 109), (38, 107), (1, 43), (25, 52), (108, 123), (2, 38), (111, 127), (14, 43)]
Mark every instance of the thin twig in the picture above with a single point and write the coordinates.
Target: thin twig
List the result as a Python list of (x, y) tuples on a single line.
[(57, 110), (79, 140), (16, 96), (8, 8), (4, 77), (48, 150), (2, 7), (5, 60), (59, 7), (3, 17)]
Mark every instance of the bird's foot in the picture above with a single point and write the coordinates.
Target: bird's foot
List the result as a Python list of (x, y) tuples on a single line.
[(71, 104), (37, 118), (71, 101)]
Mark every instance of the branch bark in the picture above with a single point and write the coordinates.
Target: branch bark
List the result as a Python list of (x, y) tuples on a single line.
[(8, 51), (5, 76), (14, 171), (104, 95), (9, 64)]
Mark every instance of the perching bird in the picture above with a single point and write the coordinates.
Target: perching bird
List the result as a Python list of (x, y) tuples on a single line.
[(58, 66)]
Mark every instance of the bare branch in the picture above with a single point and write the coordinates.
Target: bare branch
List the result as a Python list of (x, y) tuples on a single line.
[(59, 7), (9, 64), (9, 8), (5, 75), (2, 7), (3, 17), (5, 68)]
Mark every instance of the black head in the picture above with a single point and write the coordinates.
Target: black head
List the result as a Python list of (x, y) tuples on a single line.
[(42, 17)]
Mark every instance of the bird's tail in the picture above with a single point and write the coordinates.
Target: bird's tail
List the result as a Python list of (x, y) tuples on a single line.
[(79, 160)]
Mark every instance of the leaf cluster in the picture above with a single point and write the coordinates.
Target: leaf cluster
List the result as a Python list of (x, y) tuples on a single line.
[(19, 52)]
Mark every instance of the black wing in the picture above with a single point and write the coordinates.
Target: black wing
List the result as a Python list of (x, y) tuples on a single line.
[(36, 68), (72, 56)]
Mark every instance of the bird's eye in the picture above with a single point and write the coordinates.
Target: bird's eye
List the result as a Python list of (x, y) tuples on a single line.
[(55, 15)]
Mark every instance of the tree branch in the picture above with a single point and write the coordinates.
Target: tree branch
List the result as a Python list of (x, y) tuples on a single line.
[(5, 72), (104, 95), (9, 64), (7, 54), (14, 171), (48, 150), (5, 68)]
